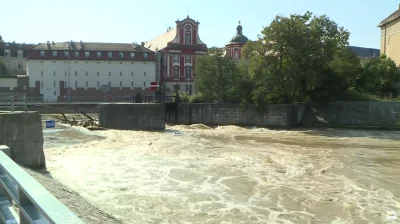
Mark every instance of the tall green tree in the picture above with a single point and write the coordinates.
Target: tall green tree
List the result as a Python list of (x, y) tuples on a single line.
[(220, 78), (298, 57), (3, 67), (378, 76)]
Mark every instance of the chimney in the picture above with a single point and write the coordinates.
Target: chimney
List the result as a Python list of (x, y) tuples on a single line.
[(142, 44)]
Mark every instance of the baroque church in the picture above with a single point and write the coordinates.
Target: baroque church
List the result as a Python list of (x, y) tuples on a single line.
[(234, 48)]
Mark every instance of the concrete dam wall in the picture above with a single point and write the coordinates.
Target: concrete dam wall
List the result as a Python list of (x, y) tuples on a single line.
[(22, 133), (129, 116)]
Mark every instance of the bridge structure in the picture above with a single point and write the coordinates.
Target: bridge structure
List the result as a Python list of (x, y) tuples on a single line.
[(23, 200)]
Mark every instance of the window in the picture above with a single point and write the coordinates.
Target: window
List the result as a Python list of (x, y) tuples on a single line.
[(65, 84), (54, 53), (87, 84), (145, 55), (20, 53), (109, 83), (188, 59), (132, 55), (131, 73), (76, 73), (109, 73), (98, 84), (144, 84), (42, 53), (120, 83), (76, 83), (176, 72), (131, 83), (188, 72), (87, 54), (76, 53), (54, 73), (41, 84), (66, 53), (65, 73), (41, 73), (110, 54), (54, 84), (236, 55), (99, 54), (87, 73), (120, 73), (121, 55), (98, 73), (144, 73), (19, 65), (188, 37), (55, 93), (176, 88), (176, 58)]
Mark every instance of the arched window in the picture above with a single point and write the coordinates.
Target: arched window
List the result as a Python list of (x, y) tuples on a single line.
[(236, 54), (188, 71)]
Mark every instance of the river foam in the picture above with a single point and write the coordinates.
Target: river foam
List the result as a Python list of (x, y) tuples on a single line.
[(198, 174)]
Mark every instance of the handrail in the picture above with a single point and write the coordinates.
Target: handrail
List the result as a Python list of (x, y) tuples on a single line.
[(34, 203)]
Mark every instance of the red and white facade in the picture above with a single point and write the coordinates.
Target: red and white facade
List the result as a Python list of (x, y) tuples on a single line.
[(177, 50), (88, 71)]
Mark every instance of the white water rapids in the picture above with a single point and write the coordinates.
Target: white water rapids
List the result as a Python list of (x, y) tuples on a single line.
[(197, 174)]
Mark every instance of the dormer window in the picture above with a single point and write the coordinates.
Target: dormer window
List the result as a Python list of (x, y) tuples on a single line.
[(42, 53), (76, 53), (145, 55), (54, 53)]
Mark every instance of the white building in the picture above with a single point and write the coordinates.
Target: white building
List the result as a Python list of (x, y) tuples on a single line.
[(123, 69)]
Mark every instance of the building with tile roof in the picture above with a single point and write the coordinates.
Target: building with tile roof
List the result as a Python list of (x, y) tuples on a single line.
[(14, 56), (177, 50), (88, 71), (390, 36), (234, 48)]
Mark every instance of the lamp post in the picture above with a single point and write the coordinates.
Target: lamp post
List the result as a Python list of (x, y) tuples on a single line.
[(69, 76), (187, 69)]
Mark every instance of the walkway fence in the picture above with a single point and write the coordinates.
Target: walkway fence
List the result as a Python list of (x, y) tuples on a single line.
[(23, 200)]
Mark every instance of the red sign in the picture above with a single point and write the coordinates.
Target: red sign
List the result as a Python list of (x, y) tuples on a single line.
[(154, 85)]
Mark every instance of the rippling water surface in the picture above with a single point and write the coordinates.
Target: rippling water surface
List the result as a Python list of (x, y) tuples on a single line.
[(197, 174)]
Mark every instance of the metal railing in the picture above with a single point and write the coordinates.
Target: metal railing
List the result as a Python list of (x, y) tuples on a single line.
[(23, 200), (8, 101)]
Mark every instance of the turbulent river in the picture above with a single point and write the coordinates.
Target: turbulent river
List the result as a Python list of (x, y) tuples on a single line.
[(197, 174)]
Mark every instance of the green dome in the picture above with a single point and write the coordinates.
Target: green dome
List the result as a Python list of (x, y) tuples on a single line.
[(239, 37)]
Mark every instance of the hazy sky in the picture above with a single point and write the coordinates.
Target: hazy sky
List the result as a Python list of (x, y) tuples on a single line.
[(34, 21)]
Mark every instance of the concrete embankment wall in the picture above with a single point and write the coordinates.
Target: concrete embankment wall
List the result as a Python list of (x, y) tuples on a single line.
[(352, 113), (129, 116), (23, 133), (274, 115)]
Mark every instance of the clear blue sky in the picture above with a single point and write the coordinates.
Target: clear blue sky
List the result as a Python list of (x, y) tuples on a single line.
[(34, 21)]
